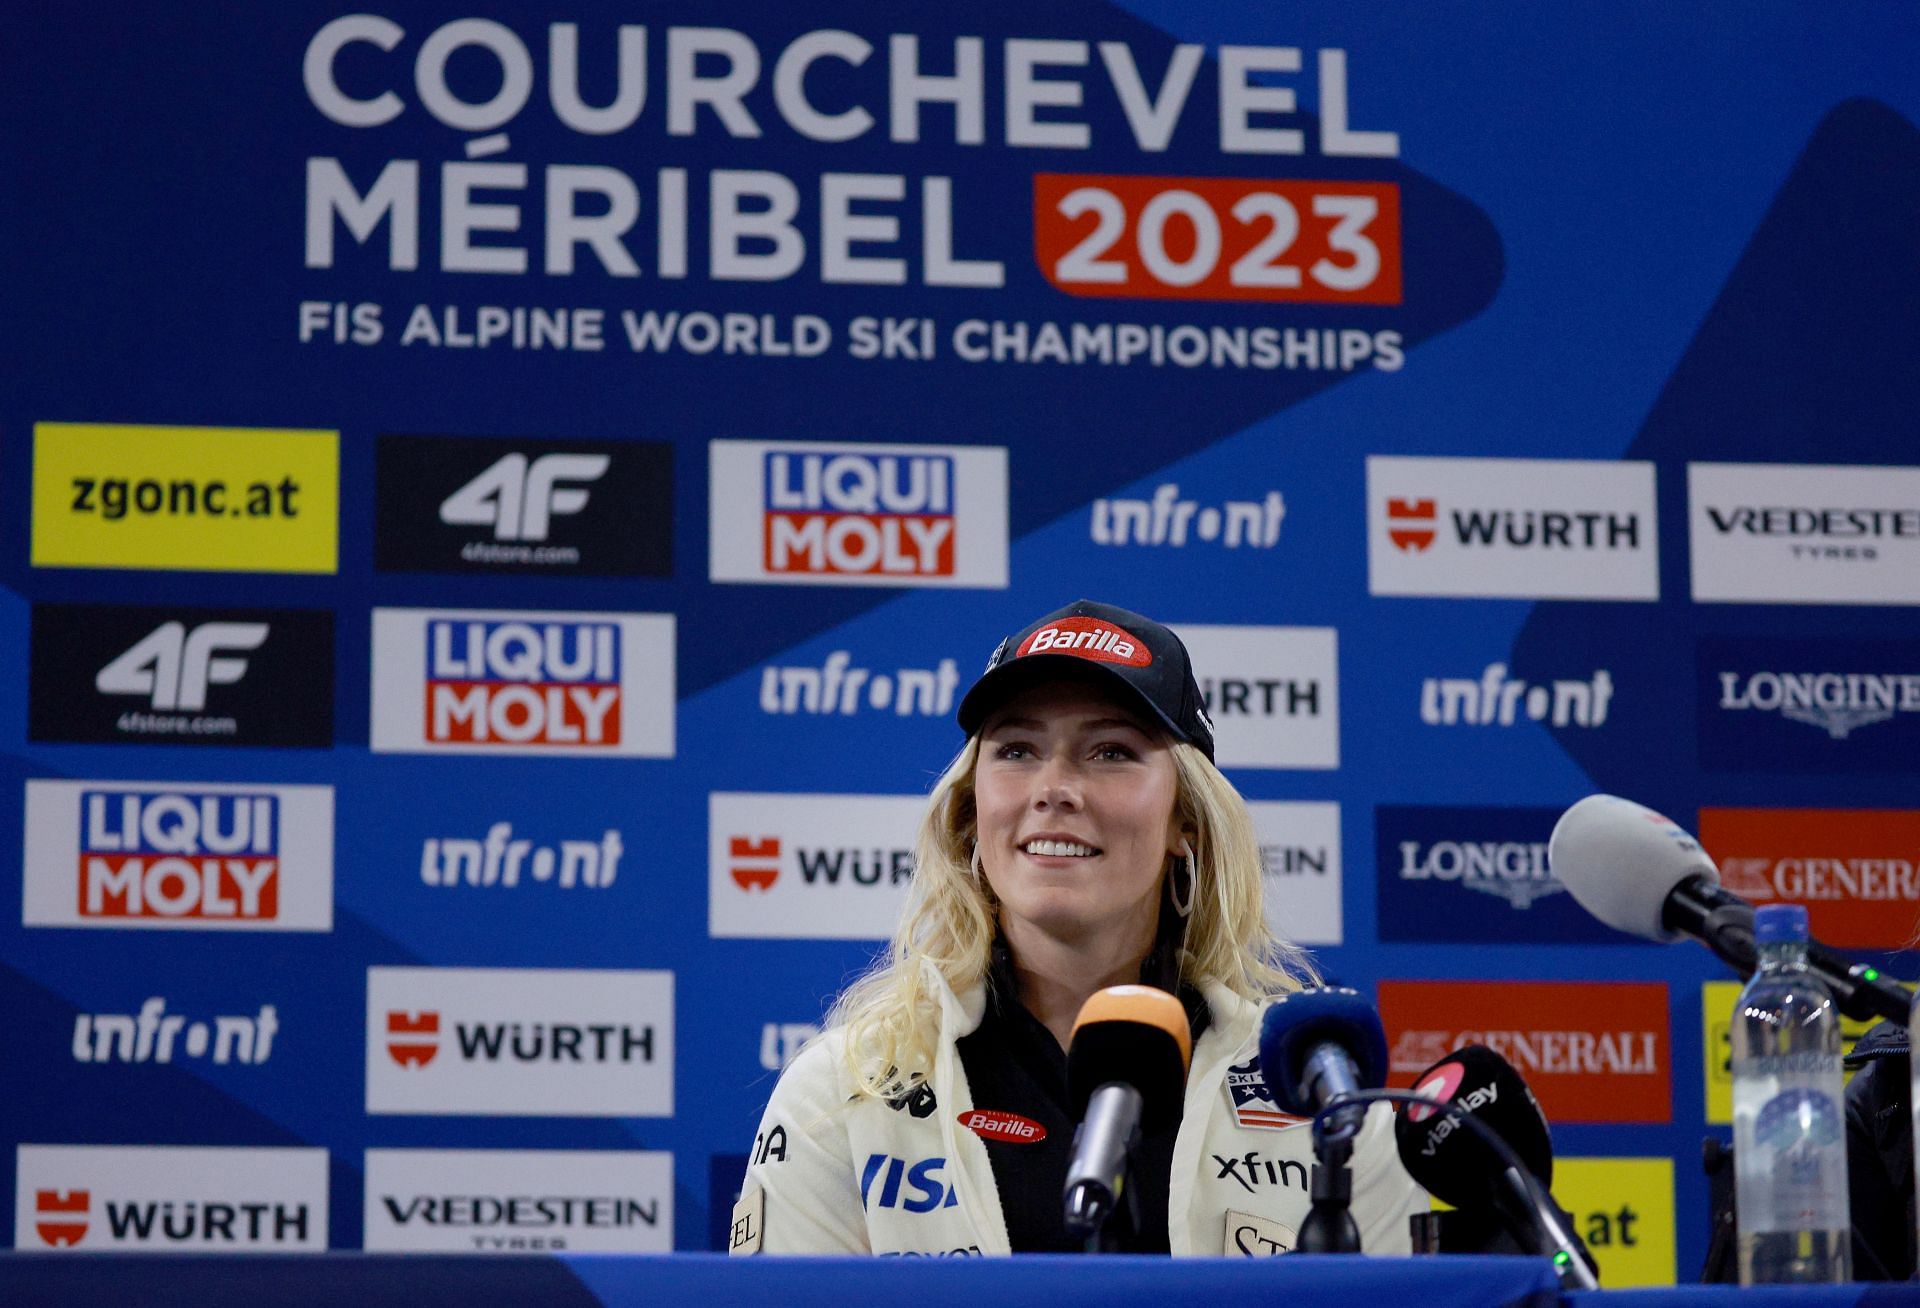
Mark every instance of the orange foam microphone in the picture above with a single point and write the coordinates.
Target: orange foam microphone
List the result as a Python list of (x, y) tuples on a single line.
[(1126, 1073)]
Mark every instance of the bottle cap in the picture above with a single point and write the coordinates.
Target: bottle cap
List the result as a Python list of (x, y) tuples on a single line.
[(1773, 923)]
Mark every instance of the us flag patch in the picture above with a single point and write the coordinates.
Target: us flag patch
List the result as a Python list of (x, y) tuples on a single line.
[(1252, 1105)]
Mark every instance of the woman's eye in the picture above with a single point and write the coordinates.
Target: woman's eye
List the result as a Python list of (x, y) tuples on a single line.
[(1012, 749), (1113, 753)]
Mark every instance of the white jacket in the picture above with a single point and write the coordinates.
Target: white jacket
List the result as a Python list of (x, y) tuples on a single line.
[(834, 1174)]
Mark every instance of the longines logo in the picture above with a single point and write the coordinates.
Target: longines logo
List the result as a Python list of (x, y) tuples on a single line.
[(567, 508)]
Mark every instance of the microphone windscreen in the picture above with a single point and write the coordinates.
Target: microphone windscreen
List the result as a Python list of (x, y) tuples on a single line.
[(1449, 1160), (1137, 1035), (1621, 861), (1296, 1023)]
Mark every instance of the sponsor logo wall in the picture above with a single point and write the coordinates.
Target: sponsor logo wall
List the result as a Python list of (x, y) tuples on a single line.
[(574, 476)]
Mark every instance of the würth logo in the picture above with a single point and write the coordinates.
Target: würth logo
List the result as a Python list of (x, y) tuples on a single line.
[(756, 863), (60, 1216), (1410, 523), (413, 1039)]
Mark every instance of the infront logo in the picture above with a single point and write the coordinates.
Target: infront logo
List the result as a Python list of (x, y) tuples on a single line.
[(891, 515), (153, 854), (1496, 699), (838, 687), (1088, 638), (583, 684), (150, 1036), (500, 860), (1166, 519)]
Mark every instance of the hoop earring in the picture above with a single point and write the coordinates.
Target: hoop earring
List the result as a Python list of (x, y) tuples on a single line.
[(1182, 906), (973, 866)]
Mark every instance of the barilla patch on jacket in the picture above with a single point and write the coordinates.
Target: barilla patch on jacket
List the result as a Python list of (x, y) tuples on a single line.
[(1253, 1106), (1007, 1128)]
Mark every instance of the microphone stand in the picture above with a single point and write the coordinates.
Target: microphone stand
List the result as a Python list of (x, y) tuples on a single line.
[(1329, 1226)]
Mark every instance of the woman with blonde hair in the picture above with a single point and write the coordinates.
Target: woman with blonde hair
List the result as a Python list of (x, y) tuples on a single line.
[(1082, 839)]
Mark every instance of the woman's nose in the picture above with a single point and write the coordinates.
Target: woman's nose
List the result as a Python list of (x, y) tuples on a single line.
[(1057, 786)]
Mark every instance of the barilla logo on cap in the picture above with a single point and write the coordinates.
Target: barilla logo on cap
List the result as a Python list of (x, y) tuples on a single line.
[(1440, 1085), (1010, 1128), (1087, 638)]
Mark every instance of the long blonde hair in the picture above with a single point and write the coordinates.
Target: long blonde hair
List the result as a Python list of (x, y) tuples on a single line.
[(891, 1014)]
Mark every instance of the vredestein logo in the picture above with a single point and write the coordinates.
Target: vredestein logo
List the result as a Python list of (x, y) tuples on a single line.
[(150, 1199), (175, 676), (546, 507), (502, 1201), (1804, 533), (832, 867), (511, 1041)]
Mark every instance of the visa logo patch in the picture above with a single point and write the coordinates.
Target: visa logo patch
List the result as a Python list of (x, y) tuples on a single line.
[(590, 685), (858, 515)]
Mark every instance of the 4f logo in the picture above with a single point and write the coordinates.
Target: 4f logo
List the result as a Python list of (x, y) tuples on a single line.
[(519, 497), (174, 666)]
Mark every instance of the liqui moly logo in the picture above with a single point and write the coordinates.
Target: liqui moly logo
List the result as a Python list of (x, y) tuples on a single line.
[(106, 1199), (146, 854), (583, 684), (901, 515)]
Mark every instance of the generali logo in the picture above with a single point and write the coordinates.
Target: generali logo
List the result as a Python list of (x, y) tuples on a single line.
[(862, 515), (109, 1199), (1512, 528), (809, 867), (184, 855), (1591, 1051), (585, 685), (1857, 871), (560, 1042)]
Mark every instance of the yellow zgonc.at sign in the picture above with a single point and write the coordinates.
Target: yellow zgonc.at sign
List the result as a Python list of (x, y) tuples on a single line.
[(223, 499), (1623, 1209)]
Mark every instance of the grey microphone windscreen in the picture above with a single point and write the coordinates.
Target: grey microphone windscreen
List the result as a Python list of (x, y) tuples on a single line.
[(1621, 860)]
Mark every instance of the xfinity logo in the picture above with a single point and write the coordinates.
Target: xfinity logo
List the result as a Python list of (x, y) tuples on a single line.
[(518, 498), (104, 674), (151, 1036), (558, 1042), (1168, 520), (583, 508), (1804, 533), (1252, 1171), (1512, 528)]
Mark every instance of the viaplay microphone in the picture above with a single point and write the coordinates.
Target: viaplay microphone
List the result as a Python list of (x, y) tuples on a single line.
[(1126, 1073), (1319, 1049), (1640, 873), (1453, 1163)]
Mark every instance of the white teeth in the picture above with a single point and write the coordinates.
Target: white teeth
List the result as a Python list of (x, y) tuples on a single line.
[(1059, 849)]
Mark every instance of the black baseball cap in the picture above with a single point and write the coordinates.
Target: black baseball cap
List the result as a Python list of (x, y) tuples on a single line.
[(1134, 656)]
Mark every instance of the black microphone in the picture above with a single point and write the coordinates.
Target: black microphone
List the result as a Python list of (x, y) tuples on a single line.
[(1640, 873), (1452, 1162), (1126, 1073)]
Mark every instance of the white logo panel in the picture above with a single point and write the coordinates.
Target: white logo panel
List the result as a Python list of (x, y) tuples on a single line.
[(513, 1042), (1300, 851), (493, 1201), (1512, 528), (110, 1199), (815, 514), (1781, 533), (466, 681), (1273, 693), (180, 855), (809, 867)]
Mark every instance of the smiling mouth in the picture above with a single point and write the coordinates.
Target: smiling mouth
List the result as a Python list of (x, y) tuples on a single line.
[(1059, 849)]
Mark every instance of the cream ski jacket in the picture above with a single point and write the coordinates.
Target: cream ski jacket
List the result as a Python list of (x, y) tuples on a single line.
[(834, 1174)]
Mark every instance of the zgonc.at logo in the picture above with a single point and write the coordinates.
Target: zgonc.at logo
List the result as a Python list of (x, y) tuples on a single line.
[(1591, 1051), (889, 515), (582, 684), (159, 854)]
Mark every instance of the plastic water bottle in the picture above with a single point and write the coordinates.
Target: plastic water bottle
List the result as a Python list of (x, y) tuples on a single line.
[(1789, 1124)]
